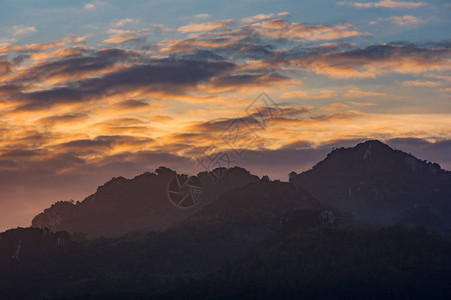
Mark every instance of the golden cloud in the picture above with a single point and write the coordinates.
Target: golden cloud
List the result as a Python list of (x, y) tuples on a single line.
[(385, 4), (358, 93), (421, 83), (406, 20), (280, 29), (323, 94), (207, 26)]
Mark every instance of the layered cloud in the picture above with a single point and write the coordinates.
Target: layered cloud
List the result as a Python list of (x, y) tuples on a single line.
[(280, 29), (373, 61), (75, 112)]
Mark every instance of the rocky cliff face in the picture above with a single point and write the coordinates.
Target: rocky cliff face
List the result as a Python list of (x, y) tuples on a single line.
[(123, 205), (377, 183)]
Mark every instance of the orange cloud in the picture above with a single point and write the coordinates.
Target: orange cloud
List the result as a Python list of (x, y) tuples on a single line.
[(207, 26), (335, 107), (72, 118), (420, 83), (367, 62), (120, 39), (84, 107), (125, 21), (93, 5), (280, 29), (161, 118), (257, 18), (202, 16), (22, 29), (358, 93), (58, 53), (74, 39), (385, 4), (323, 94), (5, 67), (406, 20), (118, 36)]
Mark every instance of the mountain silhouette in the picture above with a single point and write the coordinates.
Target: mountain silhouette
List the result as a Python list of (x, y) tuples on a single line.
[(371, 181), (378, 184), (247, 237), (228, 227), (215, 233), (123, 205)]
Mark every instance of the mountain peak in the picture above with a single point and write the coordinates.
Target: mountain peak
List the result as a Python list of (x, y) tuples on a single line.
[(372, 179), (376, 155), (370, 144), (373, 144)]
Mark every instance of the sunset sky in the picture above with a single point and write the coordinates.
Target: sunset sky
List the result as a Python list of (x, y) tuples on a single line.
[(92, 90)]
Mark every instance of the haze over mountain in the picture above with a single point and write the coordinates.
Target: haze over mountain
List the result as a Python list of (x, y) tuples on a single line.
[(210, 235), (376, 183), (122, 205), (371, 182), (247, 237)]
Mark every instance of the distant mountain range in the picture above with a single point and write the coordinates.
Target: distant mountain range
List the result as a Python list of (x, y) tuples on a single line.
[(371, 182), (248, 237)]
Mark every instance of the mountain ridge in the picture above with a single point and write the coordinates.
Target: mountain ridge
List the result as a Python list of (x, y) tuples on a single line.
[(377, 183), (122, 205), (257, 239), (371, 181)]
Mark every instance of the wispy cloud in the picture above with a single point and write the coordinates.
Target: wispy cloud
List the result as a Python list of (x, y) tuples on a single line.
[(123, 22), (406, 20), (257, 18), (375, 60), (280, 29), (89, 6), (358, 93), (93, 5), (202, 16), (119, 36), (385, 4), (323, 94), (22, 29), (121, 39), (207, 26), (420, 83)]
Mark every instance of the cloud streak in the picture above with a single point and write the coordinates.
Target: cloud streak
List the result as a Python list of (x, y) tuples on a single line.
[(375, 60), (22, 29), (385, 4)]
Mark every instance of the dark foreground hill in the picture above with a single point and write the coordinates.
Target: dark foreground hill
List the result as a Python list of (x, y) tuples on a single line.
[(335, 263), (378, 184), (217, 233), (323, 262)]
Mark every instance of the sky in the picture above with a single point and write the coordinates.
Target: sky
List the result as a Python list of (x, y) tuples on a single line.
[(95, 90)]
